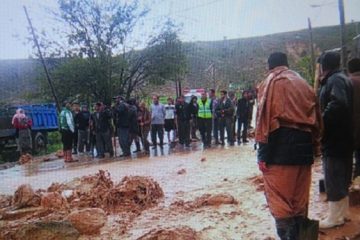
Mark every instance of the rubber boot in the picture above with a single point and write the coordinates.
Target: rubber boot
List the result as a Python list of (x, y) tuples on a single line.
[(287, 228), (336, 215)]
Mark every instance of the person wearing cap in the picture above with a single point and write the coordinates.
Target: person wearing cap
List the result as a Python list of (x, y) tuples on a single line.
[(354, 71), (67, 129), (288, 130), (82, 121), (336, 100)]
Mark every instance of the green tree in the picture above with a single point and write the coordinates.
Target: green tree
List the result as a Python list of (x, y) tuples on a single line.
[(98, 61)]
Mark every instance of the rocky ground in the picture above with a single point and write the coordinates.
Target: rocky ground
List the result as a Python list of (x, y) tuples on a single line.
[(211, 194)]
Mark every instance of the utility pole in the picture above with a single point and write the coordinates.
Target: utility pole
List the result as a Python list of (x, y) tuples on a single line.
[(42, 60), (311, 49), (343, 33)]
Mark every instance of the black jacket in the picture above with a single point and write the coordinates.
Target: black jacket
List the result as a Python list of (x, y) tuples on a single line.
[(102, 121), (243, 109), (122, 115), (287, 146), (193, 109), (336, 100), (82, 120), (224, 109), (182, 112)]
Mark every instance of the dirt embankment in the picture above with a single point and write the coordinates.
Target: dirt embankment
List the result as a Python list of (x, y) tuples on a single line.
[(83, 202)]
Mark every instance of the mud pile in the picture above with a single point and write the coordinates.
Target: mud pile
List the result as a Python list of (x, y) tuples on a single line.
[(258, 182), (133, 193), (181, 233), (84, 202), (206, 200), (26, 158)]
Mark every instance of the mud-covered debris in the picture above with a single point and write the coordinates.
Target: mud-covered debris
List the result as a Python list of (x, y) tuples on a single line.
[(53, 200), (26, 197), (26, 158), (59, 154), (88, 221), (55, 187), (11, 215), (215, 200), (181, 171), (134, 193), (203, 159), (181, 233), (5, 201), (47, 230), (206, 200), (258, 182)]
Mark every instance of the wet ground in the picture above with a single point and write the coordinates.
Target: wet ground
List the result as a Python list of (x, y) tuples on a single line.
[(216, 170)]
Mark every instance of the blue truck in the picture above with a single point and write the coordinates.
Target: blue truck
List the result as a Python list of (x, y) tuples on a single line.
[(44, 118)]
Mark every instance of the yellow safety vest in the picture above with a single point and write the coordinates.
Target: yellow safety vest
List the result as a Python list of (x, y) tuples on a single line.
[(204, 109)]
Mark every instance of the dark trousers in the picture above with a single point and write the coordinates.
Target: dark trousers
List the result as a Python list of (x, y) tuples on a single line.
[(242, 124), (338, 172), (357, 163), (226, 123), (75, 140), (216, 129), (103, 143), (124, 140), (194, 127), (144, 137), (67, 139), (157, 129), (205, 127), (184, 132), (83, 140)]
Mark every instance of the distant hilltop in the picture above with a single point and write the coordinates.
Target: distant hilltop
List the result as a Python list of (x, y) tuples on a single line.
[(240, 62)]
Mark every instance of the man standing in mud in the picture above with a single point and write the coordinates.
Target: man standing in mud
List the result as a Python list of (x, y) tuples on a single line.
[(183, 121), (225, 112), (205, 119), (288, 132), (336, 100)]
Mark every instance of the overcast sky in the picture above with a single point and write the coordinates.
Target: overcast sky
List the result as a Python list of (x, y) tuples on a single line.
[(202, 20)]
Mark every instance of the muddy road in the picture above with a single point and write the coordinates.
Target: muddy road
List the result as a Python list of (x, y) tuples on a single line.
[(185, 176)]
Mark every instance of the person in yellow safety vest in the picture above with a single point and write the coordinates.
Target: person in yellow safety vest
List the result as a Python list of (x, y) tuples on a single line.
[(205, 119)]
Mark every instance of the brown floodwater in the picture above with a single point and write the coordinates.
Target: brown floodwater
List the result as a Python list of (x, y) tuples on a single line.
[(224, 170)]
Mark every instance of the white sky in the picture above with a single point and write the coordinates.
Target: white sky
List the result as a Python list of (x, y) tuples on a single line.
[(202, 20)]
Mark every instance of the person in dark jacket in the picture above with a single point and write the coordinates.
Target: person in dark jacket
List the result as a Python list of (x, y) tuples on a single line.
[(225, 112), (242, 113), (122, 124), (183, 117), (75, 106), (101, 124), (134, 129), (193, 108), (354, 71), (336, 101), (289, 138), (212, 96), (82, 121)]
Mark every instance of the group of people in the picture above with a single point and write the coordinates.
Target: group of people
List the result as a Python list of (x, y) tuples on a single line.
[(294, 126), (131, 122)]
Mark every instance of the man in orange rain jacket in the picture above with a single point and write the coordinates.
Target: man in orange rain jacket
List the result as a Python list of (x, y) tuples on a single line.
[(288, 132)]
